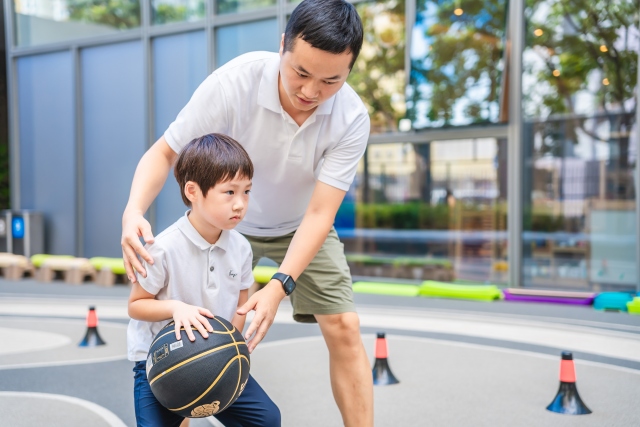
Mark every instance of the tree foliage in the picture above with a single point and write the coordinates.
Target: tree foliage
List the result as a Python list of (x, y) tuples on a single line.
[(378, 75), (121, 14), (458, 80)]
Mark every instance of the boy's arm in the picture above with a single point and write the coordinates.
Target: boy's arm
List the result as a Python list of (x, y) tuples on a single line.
[(238, 319), (144, 306), (150, 176), (306, 242)]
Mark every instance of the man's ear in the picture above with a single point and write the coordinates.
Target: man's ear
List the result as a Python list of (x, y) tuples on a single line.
[(282, 45), (191, 191)]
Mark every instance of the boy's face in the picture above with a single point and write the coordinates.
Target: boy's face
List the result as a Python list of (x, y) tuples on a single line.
[(310, 76), (224, 206)]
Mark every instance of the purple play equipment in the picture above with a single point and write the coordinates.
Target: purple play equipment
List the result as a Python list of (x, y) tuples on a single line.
[(555, 297)]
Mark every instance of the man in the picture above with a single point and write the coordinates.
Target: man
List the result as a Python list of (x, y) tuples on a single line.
[(305, 131)]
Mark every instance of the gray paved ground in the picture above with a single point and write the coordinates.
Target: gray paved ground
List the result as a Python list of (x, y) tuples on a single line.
[(446, 379)]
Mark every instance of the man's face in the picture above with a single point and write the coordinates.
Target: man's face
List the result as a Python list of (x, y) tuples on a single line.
[(310, 76)]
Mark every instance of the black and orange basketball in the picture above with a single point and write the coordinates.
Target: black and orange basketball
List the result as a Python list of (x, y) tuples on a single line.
[(200, 378)]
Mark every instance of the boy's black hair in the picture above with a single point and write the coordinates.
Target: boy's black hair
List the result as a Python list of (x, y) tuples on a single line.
[(209, 160), (330, 25)]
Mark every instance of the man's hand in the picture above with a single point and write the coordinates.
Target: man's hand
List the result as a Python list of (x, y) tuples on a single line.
[(265, 302), (135, 226), (186, 315)]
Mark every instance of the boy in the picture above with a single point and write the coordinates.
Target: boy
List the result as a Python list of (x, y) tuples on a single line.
[(203, 268)]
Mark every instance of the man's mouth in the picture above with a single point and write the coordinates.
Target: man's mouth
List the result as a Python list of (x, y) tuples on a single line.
[(304, 101)]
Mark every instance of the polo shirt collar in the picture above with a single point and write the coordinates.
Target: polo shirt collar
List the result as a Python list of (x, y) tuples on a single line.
[(192, 234), (268, 96)]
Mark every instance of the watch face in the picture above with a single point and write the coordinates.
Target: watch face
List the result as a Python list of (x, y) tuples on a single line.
[(289, 285)]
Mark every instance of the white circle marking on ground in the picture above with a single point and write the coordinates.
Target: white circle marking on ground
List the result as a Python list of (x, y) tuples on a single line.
[(27, 340), (108, 416)]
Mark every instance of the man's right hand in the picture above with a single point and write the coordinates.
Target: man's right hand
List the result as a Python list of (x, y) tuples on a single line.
[(135, 226)]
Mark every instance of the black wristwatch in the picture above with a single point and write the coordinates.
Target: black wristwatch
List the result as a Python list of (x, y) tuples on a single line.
[(287, 282)]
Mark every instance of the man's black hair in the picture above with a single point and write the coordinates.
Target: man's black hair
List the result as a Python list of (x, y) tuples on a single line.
[(330, 25)]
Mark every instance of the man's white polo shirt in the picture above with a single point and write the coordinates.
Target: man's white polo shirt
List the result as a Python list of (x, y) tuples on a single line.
[(241, 99), (190, 269)]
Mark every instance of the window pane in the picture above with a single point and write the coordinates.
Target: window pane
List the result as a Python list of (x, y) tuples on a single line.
[(233, 6), (579, 82), (234, 40), (429, 211), (47, 21), (378, 75), (47, 145), (457, 63), (179, 66), (113, 139), (165, 11)]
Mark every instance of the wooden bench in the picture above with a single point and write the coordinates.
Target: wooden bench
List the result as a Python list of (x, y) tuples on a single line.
[(73, 270), (110, 271), (14, 267)]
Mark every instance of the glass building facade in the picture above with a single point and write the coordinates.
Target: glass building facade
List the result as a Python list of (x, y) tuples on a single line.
[(503, 149)]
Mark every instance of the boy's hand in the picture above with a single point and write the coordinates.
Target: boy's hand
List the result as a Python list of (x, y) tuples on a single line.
[(186, 316), (135, 226)]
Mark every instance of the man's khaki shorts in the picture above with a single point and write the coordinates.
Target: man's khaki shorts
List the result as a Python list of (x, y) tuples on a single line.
[(325, 285)]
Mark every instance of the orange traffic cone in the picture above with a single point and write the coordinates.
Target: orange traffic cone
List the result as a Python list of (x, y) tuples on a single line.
[(382, 374), (567, 400), (92, 337)]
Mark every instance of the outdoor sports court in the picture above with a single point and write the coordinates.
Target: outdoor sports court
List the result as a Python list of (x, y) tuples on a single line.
[(459, 363)]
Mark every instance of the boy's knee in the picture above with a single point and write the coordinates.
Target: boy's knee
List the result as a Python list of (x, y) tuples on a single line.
[(272, 417)]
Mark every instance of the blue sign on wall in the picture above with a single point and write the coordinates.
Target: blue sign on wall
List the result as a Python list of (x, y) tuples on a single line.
[(17, 227)]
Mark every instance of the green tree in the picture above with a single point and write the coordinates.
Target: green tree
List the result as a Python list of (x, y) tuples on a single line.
[(463, 65), (378, 75), (122, 14), (577, 41)]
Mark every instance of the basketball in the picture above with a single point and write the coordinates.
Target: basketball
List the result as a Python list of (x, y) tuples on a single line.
[(201, 378)]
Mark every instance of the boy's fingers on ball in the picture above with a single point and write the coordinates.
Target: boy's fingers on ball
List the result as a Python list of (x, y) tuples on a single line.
[(177, 329), (187, 328), (205, 323), (201, 329)]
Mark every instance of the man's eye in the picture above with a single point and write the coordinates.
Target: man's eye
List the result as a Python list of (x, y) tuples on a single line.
[(330, 83), (301, 75)]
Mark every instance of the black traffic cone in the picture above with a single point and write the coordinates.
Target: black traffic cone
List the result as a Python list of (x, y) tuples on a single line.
[(568, 401), (92, 337), (382, 374)]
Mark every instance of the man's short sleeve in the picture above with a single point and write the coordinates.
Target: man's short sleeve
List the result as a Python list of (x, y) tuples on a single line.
[(341, 162), (247, 267), (157, 273), (206, 112)]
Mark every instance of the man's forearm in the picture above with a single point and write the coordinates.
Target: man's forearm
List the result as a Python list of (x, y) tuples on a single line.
[(150, 176), (306, 242)]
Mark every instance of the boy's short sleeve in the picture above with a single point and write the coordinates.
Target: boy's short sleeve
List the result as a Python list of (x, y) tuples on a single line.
[(247, 268), (157, 273), (206, 112)]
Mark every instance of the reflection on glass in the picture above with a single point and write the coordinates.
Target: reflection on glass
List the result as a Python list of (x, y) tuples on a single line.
[(457, 59), (233, 6), (48, 21), (378, 75), (165, 11), (579, 81), (429, 211), (234, 40)]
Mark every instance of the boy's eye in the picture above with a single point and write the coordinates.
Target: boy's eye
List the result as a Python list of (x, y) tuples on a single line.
[(247, 192), (229, 192), (330, 83)]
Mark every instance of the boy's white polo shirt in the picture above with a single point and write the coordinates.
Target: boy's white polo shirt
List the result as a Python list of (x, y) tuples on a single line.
[(241, 99), (187, 268)]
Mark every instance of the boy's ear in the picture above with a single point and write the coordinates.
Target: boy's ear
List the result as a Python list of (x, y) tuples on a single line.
[(191, 191)]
